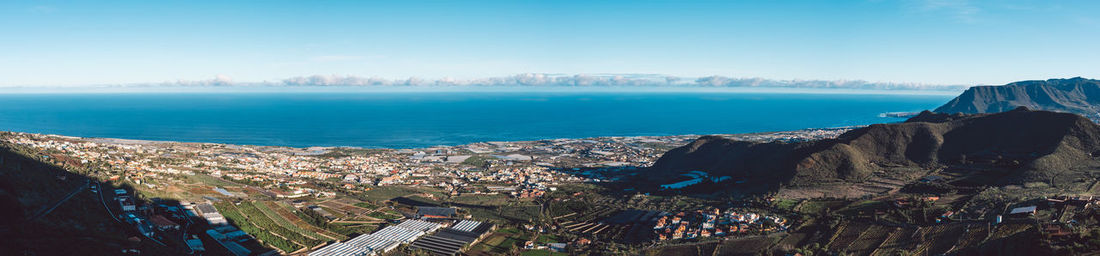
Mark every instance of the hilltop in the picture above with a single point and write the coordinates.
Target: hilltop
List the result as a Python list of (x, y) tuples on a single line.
[(1074, 95), (1012, 147)]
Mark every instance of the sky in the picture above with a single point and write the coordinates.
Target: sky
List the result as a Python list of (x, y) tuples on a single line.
[(63, 43)]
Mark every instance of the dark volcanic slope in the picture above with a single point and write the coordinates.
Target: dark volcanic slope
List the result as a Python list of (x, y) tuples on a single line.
[(1075, 95), (78, 226), (1031, 145)]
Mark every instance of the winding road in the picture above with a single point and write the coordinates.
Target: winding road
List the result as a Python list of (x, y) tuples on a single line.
[(62, 201)]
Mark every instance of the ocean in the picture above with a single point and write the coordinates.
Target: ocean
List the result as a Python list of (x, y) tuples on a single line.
[(421, 119)]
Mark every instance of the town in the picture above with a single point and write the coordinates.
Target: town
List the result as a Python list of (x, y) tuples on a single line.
[(555, 197), (248, 200)]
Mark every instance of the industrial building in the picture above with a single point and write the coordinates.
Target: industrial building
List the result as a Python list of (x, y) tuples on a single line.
[(381, 241), (231, 241), (451, 241)]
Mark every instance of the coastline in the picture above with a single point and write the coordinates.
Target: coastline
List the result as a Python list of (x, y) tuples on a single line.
[(786, 136)]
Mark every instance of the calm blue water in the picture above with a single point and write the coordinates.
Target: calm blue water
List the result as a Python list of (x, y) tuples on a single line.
[(408, 119)]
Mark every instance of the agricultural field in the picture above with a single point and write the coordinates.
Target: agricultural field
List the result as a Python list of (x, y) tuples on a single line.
[(747, 246), (699, 249), (936, 240), (898, 241), (248, 225), (542, 253), (975, 234), (483, 199), (347, 210), (846, 234), (870, 240), (287, 212), (384, 193), (285, 223), (386, 215), (502, 242)]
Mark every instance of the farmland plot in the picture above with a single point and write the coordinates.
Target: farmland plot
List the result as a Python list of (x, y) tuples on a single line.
[(870, 240), (900, 240), (284, 210), (846, 235), (747, 246), (286, 223)]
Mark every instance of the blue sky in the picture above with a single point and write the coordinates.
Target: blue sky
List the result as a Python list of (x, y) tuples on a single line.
[(930, 41)]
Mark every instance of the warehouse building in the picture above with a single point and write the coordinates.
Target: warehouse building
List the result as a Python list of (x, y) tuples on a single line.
[(381, 241), (451, 241)]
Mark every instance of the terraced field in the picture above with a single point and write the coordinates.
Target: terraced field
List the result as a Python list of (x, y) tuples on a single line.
[(870, 240), (936, 240), (747, 246), (847, 234), (348, 210), (702, 249), (270, 213), (792, 241), (286, 211), (974, 236), (1009, 229), (241, 220), (260, 219), (898, 241)]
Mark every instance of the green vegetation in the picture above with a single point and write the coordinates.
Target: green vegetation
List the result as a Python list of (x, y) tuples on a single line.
[(289, 212), (378, 194), (257, 217), (211, 180), (498, 199), (366, 205), (548, 238), (422, 200), (500, 244), (785, 204), (522, 212), (383, 215), (514, 231), (238, 219), (315, 219), (286, 223)]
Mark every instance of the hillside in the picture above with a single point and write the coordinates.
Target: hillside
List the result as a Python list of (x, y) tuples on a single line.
[(1074, 95), (77, 226), (1012, 147)]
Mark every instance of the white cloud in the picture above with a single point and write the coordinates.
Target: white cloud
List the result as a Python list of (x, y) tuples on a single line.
[(607, 80), (564, 80)]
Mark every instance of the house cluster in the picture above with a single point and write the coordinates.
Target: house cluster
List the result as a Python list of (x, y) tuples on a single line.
[(714, 222), (130, 213), (1081, 201), (153, 164), (532, 166)]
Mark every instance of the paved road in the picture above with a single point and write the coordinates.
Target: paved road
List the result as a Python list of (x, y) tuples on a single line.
[(70, 196), (99, 188)]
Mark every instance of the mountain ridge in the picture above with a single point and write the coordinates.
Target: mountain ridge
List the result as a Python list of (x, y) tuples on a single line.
[(1027, 145), (1074, 95)]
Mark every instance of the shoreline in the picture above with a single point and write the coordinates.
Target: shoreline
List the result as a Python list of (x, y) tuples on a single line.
[(746, 136)]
